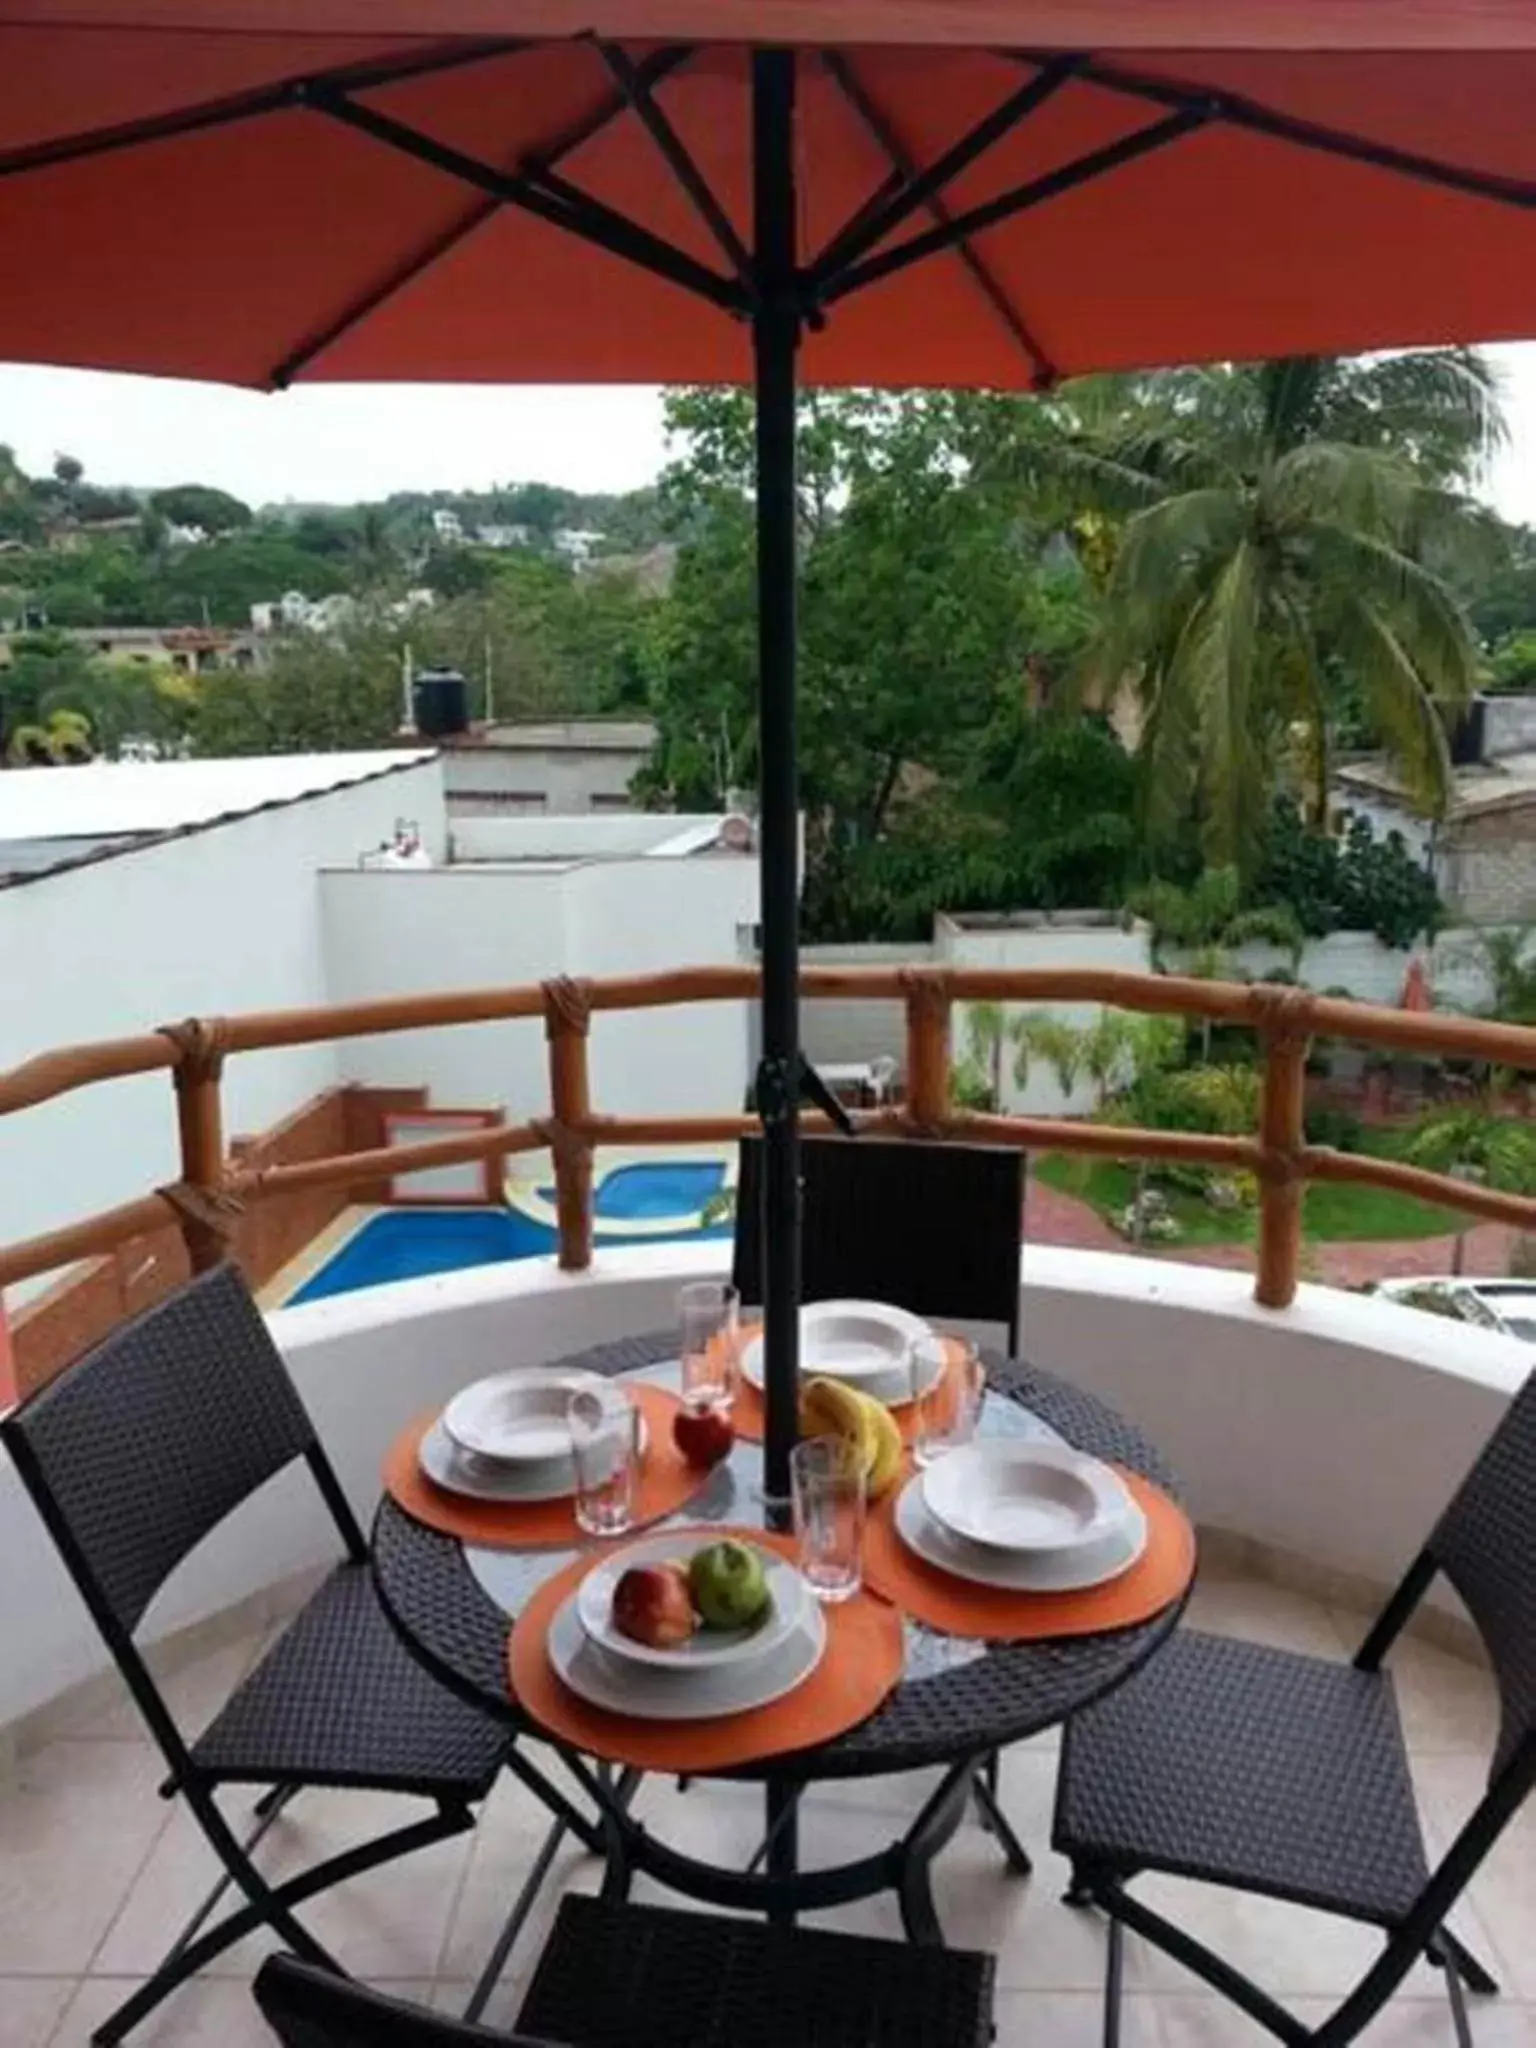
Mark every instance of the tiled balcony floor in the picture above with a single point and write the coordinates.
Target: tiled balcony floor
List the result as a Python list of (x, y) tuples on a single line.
[(97, 1875)]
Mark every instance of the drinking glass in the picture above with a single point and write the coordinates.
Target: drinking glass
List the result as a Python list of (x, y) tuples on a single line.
[(605, 1446), (827, 1484), (948, 1383), (707, 1314)]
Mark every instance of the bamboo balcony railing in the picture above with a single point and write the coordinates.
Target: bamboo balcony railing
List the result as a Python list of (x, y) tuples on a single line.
[(206, 1199)]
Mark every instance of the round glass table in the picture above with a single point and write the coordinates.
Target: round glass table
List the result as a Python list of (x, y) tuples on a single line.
[(959, 1703)]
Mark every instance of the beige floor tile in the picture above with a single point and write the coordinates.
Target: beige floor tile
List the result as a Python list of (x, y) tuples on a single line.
[(389, 1923), (1288, 1950), (1447, 1702), (512, 1829), (194, 1690), (30, 2009), (1501, 1909), (1267, 1614), (209, 2013), (1071, 2019), (77, 1821)]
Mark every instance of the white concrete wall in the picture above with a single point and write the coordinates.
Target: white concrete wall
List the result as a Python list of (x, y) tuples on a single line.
[(223, 919), (833, 1031), (568, 779), (583, 838), (412, 931), (1334, 1430), (1047, 943)]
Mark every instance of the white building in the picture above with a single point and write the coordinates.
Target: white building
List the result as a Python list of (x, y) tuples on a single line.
[(559, 766), (577, 543), (447, 526), (134, 895)]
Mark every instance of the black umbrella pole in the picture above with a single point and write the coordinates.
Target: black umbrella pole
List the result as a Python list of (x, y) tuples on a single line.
[(775, 335)]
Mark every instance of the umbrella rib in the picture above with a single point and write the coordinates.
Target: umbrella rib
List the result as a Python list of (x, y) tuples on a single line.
[(546, 197), (658, 65), (840, 69), (1020, 199), (247, 106), (866, 231), (680, 162), (1238, 111)]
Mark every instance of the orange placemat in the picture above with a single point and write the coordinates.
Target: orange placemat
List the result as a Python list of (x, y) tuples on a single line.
[(862, 1661), (751, 1416), (667, 1483), (959, 1608)]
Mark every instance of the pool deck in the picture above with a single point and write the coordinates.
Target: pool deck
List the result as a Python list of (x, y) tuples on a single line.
[(320, 1250)]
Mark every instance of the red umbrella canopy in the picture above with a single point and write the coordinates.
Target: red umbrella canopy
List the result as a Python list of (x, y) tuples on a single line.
[(261, 190)]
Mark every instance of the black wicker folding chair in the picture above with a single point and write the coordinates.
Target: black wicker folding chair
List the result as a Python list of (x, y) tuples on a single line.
[(932, 1228), (643, 1977), (132, 1456), (1288, 1775)]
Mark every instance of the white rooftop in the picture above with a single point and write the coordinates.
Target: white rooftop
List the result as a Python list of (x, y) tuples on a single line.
[(102, 798)]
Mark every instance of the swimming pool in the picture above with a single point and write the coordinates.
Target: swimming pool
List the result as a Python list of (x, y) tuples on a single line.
[(406, 1244)]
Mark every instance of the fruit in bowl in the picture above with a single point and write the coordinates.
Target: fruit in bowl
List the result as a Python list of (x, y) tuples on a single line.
[(653, 1604), (703, 1435), (728, 1585)]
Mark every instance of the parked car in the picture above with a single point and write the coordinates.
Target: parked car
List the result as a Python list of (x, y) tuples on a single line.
[(1508, 1306)]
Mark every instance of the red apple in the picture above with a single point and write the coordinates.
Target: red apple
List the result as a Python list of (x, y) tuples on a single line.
[(652, 1605), (703, 1435)]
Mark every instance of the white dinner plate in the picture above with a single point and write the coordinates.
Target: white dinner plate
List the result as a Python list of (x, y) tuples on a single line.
[(1040, 1500), (864, 1343), (1015, 1573), (689, 1695), (709, 1648), (488, 1479), (517, 1418)]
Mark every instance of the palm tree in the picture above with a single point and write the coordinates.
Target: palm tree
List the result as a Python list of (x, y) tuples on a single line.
[(1279, 523)]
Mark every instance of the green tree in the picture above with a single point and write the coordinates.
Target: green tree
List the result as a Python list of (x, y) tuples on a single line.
[(201, 505), (1278, 525), (316, 694)]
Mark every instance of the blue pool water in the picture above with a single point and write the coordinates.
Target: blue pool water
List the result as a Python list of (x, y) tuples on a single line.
[(404, 1244), (649, 1192)]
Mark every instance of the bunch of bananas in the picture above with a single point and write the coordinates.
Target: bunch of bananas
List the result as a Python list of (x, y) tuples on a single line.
[(828, 1408)]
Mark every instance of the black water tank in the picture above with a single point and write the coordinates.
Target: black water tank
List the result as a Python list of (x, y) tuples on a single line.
[(440, 702)]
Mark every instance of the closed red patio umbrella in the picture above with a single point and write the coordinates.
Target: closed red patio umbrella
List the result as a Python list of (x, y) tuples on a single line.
[(880, 192)]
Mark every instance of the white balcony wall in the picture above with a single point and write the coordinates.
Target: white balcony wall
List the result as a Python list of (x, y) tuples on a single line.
[(413, 931), (1332, 1432), (217, 920)]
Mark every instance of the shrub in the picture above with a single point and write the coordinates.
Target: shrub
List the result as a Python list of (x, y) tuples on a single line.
[(1339, 1128), (1219, 1099)]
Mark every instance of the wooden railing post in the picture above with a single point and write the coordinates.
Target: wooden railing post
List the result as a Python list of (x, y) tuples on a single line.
[(1284, 1031), (928, 1000), (205, 1214), (567, 1016)]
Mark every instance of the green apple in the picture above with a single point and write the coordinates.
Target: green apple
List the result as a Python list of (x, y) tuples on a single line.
[(728, 1584)]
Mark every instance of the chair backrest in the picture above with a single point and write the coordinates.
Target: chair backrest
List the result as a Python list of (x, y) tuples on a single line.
[(1485, 1543), (933, 1228), (137, 1450), (310, 2008)]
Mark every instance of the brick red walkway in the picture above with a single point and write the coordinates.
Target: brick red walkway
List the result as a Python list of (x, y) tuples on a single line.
[(1055, 1218)]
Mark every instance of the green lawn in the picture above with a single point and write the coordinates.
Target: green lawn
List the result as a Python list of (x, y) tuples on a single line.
[(1333, 1211)]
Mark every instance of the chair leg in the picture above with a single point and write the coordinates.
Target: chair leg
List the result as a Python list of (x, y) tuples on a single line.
[(270, 1906), (1459, 2018), (490, 1976), (1472, 1972), (995, 1821), (1114, 1979)]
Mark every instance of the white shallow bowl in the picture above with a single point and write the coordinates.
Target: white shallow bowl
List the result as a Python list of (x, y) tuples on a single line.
[(517, 1418), (863, 1343), (1036, 1499), (709, 1649), (1015, 1572), (694, 1694), (489, 1479)]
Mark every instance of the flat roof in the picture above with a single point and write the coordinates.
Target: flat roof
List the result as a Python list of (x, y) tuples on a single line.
[(1508, 780), (53, 818), (102, 797)]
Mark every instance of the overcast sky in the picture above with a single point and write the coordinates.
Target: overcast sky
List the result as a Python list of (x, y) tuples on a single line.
[(347, 442)]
